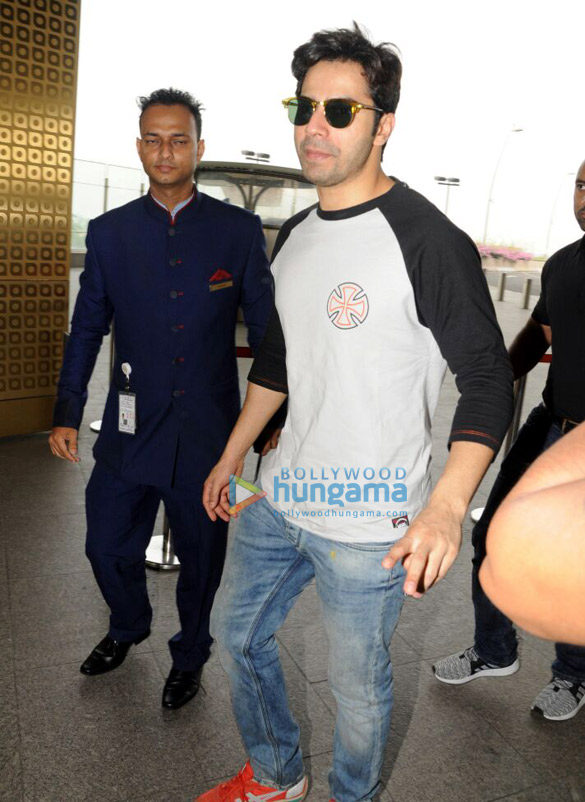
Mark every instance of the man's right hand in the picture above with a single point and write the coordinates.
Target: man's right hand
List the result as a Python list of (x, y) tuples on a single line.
[(259, 407), (216, 490), (63, 443)]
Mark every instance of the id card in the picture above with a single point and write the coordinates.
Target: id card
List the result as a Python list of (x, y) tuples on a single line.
[(126, 412)]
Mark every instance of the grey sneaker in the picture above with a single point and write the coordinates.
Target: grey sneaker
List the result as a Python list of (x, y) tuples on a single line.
[(460, 668), (560, 700)]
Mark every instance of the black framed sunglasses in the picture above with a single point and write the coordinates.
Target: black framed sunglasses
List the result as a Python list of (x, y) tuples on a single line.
[(339, 113)]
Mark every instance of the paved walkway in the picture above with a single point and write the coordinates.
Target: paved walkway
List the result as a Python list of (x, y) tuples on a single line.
[(69, 738)]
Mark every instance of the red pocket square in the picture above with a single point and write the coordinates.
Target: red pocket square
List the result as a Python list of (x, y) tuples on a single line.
[(220, 275)]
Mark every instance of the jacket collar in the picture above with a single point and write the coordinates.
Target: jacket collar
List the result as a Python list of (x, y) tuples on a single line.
[(184, 215)]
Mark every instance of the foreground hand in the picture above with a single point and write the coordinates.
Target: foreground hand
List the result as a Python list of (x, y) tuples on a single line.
[(63, 443), (429, 548), (216, 489)]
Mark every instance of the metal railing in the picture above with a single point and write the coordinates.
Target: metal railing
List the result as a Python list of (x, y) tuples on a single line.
[(99, 187), (275, 193)]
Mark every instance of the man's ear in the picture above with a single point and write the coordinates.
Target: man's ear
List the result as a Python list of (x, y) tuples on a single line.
[(200, 150), (385, 128)]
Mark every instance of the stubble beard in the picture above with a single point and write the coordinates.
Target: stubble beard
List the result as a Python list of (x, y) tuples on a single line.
[(341, 169)]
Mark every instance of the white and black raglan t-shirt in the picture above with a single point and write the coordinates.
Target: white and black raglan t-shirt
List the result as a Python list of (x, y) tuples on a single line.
[(371, 304)]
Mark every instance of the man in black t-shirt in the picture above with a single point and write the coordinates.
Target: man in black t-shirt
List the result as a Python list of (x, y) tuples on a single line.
[(560, 309)]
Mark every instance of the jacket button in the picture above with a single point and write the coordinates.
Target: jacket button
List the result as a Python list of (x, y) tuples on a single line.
[(171, 232)]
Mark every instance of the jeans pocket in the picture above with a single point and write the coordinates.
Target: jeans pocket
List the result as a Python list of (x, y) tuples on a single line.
[(371, 554), (383, 547)]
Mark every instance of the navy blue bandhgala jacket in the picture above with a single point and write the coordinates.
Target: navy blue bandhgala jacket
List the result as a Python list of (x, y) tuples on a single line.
[(172, 289)]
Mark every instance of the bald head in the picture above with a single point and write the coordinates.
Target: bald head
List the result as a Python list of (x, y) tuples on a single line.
[(580, 196)]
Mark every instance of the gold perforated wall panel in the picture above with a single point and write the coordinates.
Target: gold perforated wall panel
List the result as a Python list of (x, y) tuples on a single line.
[(38, 69)]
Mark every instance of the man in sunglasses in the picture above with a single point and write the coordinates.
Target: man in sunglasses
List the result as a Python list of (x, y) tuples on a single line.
[(375, 289)]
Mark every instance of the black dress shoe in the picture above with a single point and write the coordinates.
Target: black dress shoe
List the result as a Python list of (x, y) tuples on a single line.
[(180, 687), (108, 655)]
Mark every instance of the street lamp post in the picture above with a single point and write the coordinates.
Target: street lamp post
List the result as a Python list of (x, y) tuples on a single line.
[(513, 130), (447, 182)]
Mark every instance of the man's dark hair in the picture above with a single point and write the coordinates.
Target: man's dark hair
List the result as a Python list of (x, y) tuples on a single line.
[(381, 63), (173, 97)]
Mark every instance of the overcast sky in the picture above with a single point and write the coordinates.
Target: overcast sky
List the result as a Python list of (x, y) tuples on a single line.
[(472, 72)]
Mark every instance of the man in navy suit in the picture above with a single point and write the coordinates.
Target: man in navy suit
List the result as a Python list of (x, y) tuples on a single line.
[(170, 269)]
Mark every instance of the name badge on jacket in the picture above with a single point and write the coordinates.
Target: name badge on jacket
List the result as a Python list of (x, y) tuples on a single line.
[(126, 404), (126, 412)]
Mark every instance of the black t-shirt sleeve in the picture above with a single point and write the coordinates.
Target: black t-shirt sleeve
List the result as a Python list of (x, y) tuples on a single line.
[(269, 367), (540, 313), (453, 300)]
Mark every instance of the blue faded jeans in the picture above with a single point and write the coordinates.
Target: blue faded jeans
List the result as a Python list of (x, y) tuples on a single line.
[(495, 636), (269, 563)]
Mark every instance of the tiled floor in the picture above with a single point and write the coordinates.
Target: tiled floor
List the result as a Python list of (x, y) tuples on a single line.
[(69, 738)]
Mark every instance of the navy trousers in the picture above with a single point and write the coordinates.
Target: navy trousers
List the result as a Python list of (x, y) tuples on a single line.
[(495, 636), (120, 520)]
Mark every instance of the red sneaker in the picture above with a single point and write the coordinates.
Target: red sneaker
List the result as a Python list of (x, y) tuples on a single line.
[(244, 788)]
